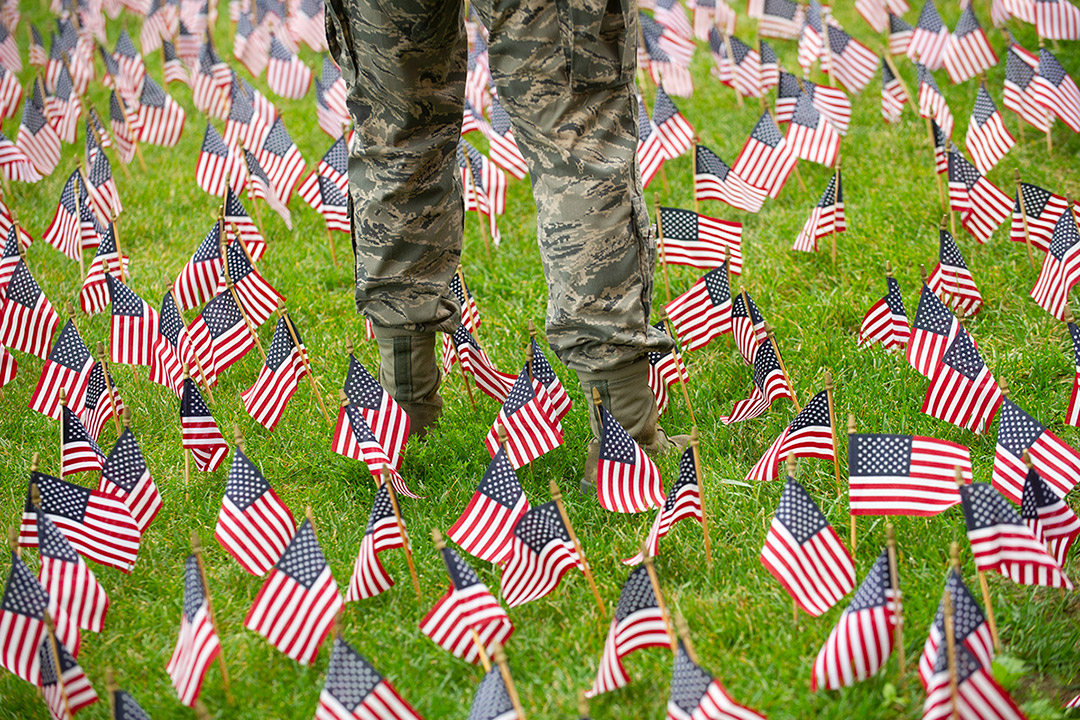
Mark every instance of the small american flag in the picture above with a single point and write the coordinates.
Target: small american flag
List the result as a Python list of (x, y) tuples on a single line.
[(671, 15), (627, 480), (1072, 415), (928, 40), (211, 83), (904, 474), (258, 297), (526, 417), (1061, 268), (931, 102), (714, 180), (23, 605), (218, 167), (94, 295), (66, 107), (962, 389), (650, 152), (354, 690), (781, 19), (667, 72), (235, 214), (475, 360), (299, 600), (900, 33), (286, 74), (66, 368), (197, 643), (1055, 20), (810, 434), (697, 695), (160, 22), (327, 199), (972, 632), (492, 699), (1043, 209), (747, 326), (388, 422), (770, 65), (64, 231), (161, 119), (541, 552), (676, 134), (251, 45), (125, 707), (875, 13), (1049, 516), (893, 97), (10, 257), (354, 438), (126, 476), (73, 590), (134, 326), (172, 345), (886, 321), (382, 533), (478, 74), (852, 63), (307, 23), (172, 68), (982, 206), (1019, 89), (804, 554), (260, 187), (503, 148), (198, 279), (831, 102), (27, 318), (484, 186), (542, 373), (1057, 463), (810, 39), (467, 607), (219, 336), (38, 139), (199, 430), (103, 194), (77, 692), (250, 116), (827, 217), (280, 158), (766, 159), (78, 451), (931, 334), (665, 369), (278, 378), (862, 639), (36, 51), (1056, 91), (987, 139), (254, 525), (683, 501), (485, 527), (968, 52), (638, 623), (770, 385), (951, 280), (14, 163), (699, 241), (745, 76), (8, 367), (678, 48)]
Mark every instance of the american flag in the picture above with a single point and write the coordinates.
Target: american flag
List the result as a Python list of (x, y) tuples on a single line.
[(804, 554), (66, 107), (705, 17), (671, 15), (893, 97), (354, 438), (747, 326), (23, 605), (1073, 413), (280, 158), (38, 139), (987, 139), (197, 643), (875, 13), (941, 145), (254, 525), (766, 159), (260, 187), (331, 123), (714, 180), (278, 378), (931, 333), (1000, 541), (199, 431), (388, 422), (172, 345), (172, 68), (886, 321), (134, 326), (665, 369), (1055, 20), (770, 66), (211, 83), (968, 52), (250, 117), (382, 533), (160, 22), (467, 610), (972, 633), (543, 373), (928, 40), (526, 418), (334, 86), (98, 525), (235, 214), (327, 199), (852, 63), (540, 553), (219, 336), (15, 164), (485, 527), (251, 45), (627, 480), (66, 368), (862, 639), (1057, 463), (677, 50), (187, 43), (1042, 209), (10, 257), (27, 318), (1049, 516), (103, 193), (123, 132), (769, 385), (258, 297), (827, 217), (36, 50), (781, 19), (78, 451), (475, 360), (76, 693), (810, 434), (478, 74), (354, 690), (931, 102), (650, 152), (745, 76), (73, 590), (1019, 89), (1061, 267), (810, 40), (697, 695), (492, 699), (286, 74), (502, 146), (1056, 91), (675, 133), (900, 33), (198, 278), (334, 164), (904, 474), (638, 623), (699, 241), (962, 390), (8, 367), (683, 501), (126, 476), (982, 206), (307, 23), (951, 280), (65, 232), (160, 119), (831, 102), (218, 167), (788, 91)]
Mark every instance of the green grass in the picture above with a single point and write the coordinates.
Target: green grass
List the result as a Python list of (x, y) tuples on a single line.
[(740, 618)]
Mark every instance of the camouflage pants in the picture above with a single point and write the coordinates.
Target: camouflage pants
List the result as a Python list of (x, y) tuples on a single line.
[(564, 72)]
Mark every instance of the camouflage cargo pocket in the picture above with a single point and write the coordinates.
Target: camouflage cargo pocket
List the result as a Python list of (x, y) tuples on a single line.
[(599, 42)]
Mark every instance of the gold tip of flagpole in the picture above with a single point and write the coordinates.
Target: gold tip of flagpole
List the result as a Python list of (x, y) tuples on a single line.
[(694, 437), (1003, 385), (1016, 175), (100, 347), (196, 545), (944, 221), (34, 461), (790, 465), (582, 704), (532, 329), (596, 397), (888, 269), (922, 272), (238, 437), (309, 514), (851, 424), (958, 474), (343, 398), (70, 307), (126, 417), (769, 331), (63, 397), (645, 551), (829, 380), (954, 556), (501, 433), (890, 534), (437, 538), (1068, 315), (35, 495), (384, 473), (1027, 460), (349, 345), (553, 488), (110, 680), (13, 538)]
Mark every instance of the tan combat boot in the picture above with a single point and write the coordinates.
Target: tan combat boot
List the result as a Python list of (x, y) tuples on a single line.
[(409, 371)]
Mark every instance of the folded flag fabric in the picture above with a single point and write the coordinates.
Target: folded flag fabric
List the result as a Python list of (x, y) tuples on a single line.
[(627, 480), (770, 385), (683, 501), (703, 312), (1056, 461), (73, 589), (197, 643), (714, 180), (485, 527), (1049, 517), (931, 334), (126, 476), (952, 281)]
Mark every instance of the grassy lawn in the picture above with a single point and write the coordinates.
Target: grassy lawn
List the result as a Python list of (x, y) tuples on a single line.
[(740, 617)]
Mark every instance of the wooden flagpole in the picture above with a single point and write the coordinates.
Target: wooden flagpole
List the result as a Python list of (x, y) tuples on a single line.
[(983, 586), (63, 404), (933, 160), (898, 633), (440, 544), (790, 467), (950, 648), (655, 582), (240, 239), (232, 289), (693, 174), (13, 537), (734, 73), (556, 495), (787, 378), (836, 200), (110, 688), (582, 705), (683, 630), (283, 314), (108, 386), (829, 387), (850, 432), (78, 217), (896, 72), (694, 442), (184, 451), (51, 627), (119, 252), (384, 478), (504, 670), (196, 550)]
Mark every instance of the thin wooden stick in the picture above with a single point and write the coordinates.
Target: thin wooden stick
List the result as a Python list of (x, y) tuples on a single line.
[(582, 705), (983, 584), (790, 466), (694, 442), (283, 313), (850, 432), (63, 404), (693, 176), (110, 688), (440, 545), (661, 243), (469, 307), (896, 74), (232, 290), (556, 495), (333, 251), (504, 670), (239, 238), (680, 368), (787, 378), (196, 550), (108, 385), (1023, 215), (13, 541), (890, 543), (933, 159), (828, 50), (119, 252), (655, 582), (836, 182), (734, 74), (464, 376), (184, 451), (78, 218), (950, 648), (385, 478), (683, 629), (829, 387), (51, 626)]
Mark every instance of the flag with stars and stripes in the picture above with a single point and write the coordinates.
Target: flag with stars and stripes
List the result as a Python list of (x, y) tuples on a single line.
[(286, 74), (64, 107), (932, 103), (527, 418), (541, 552), (696, 695), (281, 159), (627, 480), (810, 434), (197, 643), (369, 578), (307, 24), (638, 623), (852, 63), (886, 321), (15, 164), (354, 438), (37, 138), (104, 196), (475, 360), (484, 185), (126, 476), (134, 326), (327, 199), (9, 256), (235, 214), (67, 367), (278, 378), (23, 605), (1072, 415), (97, 525), (503, 148), (218, 166), (699, 241), (968, 52), (747, 326), (972, 630), (1048, 516), (1057, 19), (826, 218), (770, 65), (904, 474), (543, 373), (665, 369), (1056, 462), (810, 135), (8, 367), (770, 385), (703, 312), (951, 280), (387, 421), (742, 69), (219, 336), (833, 103), (211, 83), (675, 132), (27, 318), (78, 451), (766, 159), (199, 431), (94, 295), (125, 707), (64, 232), (683, 501), (804, 554), (810, 38), (781, 19), (36, 51), (160, 118), (171, 350), (1061, 267), (334, 85), (251, 44), (333, 166), (260, 187), (1002, 542), (714, 180), (485, 526), (299, 600), (931, 333), (198, 279), (667, 56), (73, 590), (893, 96), (962, 389), (102, 401), (76, 693), (354, 690), (1019, 89), (250, 117), (929, 38), (492, 699), (467, 610), (1038, 217), (987, 139), (172, 67), (875, 13), (862, 639), (254, 525), (1053, 89), (650, 153)]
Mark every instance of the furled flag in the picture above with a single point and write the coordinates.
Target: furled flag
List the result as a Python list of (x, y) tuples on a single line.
[(662, 47), (354, 438), (1000, 541), (810, 434), (466, 615), (382, 533), (893, 97), (650, 151), (1072, 415), (298, 602), (766, 159), (931, 102), (94, 296), (968, 52), (23, 605), (251, 44), (962, 390), (675, 133), (862, 639), (281, 160), (827, 217), (332, 123), (38, 56), (73, 590), (526, 418), (475, 360), (307, 24), (1057, 463), (172, 67), (250, 117), (540, 553), (258, 297), (27, 318), (811, 38), (852, 63), (134, 326), (354, 690), (66, 368), (199, 431), (478, 74), (1061, 268), (931, 333), (627, 480), (217, 167), (278, 379), (219, 336), (770, 66), (699, 241), (804, 554), (987, 139), (696, 695), (254, 525), (78, 451), (235, 214), (485, 527), (96, 524), (747, 326), (770, 384), (665, 369), (1020, 92), (65, 232), (104, 196), (951, 280), (745, 76), (65, 692), (638, 623), (928, 40), (1037, 217), (260, 187), (38, 139), (683, 501), (160, 119), (199, 277), (831, 102), (670, 14), (126, 476), (159, 22), (9, 258), (197, 643), (503, 149), (1056, 91), (982, 206), (388, 422), (1049, 516), (332, 168), (541, 373), (972, 631), (286, 74), (904, 474), (886, 321), (1055, 20), (714, 180), (781, 19)]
